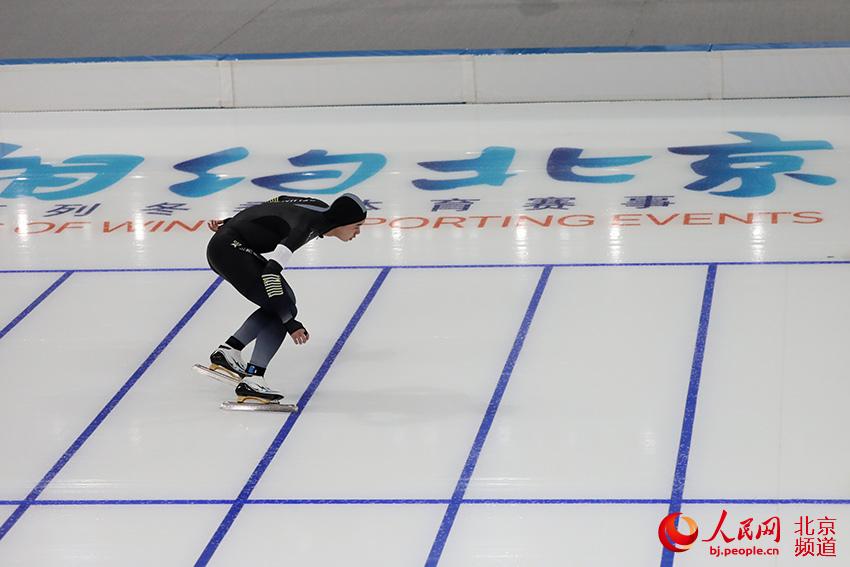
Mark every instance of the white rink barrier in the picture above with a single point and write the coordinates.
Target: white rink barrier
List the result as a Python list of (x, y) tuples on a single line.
[(327, 79)]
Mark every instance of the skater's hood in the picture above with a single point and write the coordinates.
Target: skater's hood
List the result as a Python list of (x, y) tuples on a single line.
[(346, 209)]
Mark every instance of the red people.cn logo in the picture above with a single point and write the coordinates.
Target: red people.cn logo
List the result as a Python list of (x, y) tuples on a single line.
[(672, 538)]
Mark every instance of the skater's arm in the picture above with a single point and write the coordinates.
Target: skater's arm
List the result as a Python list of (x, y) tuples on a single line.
[(294, 327)]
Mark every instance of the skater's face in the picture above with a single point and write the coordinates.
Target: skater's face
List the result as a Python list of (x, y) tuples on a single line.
[(346, 232)]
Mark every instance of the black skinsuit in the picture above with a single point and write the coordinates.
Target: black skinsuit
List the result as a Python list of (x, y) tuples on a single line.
[(234, 252)]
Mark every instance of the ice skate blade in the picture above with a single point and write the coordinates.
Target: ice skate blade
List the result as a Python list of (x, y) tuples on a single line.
[(259, 406), (215, 374)]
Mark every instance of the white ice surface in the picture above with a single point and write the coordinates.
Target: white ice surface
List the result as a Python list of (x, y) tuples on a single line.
[(596, 396)]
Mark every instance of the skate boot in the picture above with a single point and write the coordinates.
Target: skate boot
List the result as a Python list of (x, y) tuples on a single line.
[(253, 388), (229, 361)]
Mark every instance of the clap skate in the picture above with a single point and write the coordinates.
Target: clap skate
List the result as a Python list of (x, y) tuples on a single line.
[(252, 394), (226, 366)]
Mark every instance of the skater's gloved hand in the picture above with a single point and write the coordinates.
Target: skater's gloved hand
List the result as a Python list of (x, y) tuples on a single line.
[(297, 331)]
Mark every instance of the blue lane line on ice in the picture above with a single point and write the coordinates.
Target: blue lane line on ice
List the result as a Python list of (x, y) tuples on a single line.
[(765, 501), (107, 409), (460, 266), (681, 471), (414, 501), (631, 501), (256, 501), (264, 463), (390, 501), (484, 429), (699, 47), (34, 304), (105, 270)]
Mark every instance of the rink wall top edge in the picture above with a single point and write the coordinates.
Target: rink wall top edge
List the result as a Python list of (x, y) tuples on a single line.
[(709, 47), (353, 78)]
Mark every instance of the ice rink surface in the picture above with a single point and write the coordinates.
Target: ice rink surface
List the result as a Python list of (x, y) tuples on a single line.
[(563, 323)]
